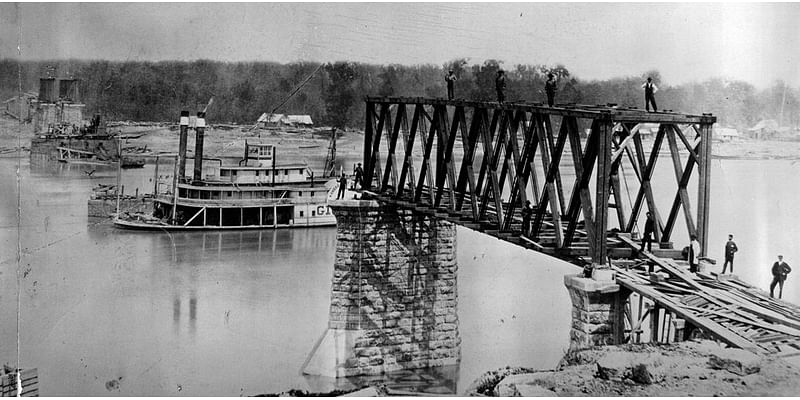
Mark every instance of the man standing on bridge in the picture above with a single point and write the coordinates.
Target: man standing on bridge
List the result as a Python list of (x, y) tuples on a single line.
[(527, 211), (647, 237), (450, 78), (550, 88), (650, 90), (500, 85), (359, 177), (694, 254), (342, 187), (730, 249), (780, 270)]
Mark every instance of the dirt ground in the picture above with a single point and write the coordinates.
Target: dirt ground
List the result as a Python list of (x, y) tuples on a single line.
[(683, 369)]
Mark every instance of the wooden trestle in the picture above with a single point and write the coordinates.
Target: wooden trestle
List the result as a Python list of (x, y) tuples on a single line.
[(477, 163)]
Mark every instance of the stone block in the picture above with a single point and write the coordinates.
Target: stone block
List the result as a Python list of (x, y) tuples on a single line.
[(738, 361)]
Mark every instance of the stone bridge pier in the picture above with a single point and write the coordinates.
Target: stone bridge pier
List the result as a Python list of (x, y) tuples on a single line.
[(393, 293)]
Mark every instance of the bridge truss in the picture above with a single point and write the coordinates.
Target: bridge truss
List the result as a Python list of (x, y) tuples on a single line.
[(587, 170)]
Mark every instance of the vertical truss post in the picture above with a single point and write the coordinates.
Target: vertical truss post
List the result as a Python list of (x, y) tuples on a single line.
[(603, 190), (368, 133), (408, 161), (704, 183)]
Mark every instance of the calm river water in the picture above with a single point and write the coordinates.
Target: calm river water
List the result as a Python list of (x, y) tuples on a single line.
[(104, 312)]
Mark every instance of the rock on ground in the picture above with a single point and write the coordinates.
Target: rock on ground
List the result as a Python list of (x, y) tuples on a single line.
[(702, 368)]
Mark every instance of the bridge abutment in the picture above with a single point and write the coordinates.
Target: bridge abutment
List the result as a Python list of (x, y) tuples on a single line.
[(597, 312), (393, 293)]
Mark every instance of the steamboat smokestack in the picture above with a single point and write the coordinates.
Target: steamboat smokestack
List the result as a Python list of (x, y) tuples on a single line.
[(198, 148), (184, 125)]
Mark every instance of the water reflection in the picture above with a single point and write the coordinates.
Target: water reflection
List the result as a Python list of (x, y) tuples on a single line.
[(432, 381)]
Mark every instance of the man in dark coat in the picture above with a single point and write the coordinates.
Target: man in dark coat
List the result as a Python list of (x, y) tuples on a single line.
[(779, 272), (527, 211), (500, 85), (550, 88), (359, 177), (342, 187), (647, 237), (450, 78), (650, 90), (730, 249)]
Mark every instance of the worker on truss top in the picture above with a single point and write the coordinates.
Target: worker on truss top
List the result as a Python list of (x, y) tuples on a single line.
[(500, 85), (550, 88), (650, 90), (450, 78)]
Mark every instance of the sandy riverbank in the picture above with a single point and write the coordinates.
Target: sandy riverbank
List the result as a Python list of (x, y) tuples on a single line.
[(695, 368)]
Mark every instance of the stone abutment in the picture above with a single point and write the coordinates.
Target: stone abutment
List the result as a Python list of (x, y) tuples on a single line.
[(393, 293)]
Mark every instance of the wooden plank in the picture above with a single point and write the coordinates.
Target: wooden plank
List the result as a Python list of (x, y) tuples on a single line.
[(548, 133), (584, 166), (602, 191), (467, 176), (707, 324), (645, 190), (408, 159), (682, 197), (492, 174), (704, 187), (548, 194), (426, 167), (689, 147), (368, 137), (391, 161)]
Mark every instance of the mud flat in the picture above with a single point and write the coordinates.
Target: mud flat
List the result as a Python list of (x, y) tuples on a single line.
[(695, 368)]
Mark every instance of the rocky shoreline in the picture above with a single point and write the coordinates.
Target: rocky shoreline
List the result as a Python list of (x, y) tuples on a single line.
[(694, 368)]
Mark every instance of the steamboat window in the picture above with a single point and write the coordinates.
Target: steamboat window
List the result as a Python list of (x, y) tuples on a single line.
[(301, 213)]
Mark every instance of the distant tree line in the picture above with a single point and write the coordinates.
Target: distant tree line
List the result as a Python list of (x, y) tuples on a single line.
[(242, 91)]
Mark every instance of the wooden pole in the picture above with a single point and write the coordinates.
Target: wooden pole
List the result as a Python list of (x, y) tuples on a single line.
[(184, 133), (198, 146), (175, 190), (155, 179), (603, 182), (704, 184), (119, 170)]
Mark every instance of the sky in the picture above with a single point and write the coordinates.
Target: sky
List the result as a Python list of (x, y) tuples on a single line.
[(755, 42)]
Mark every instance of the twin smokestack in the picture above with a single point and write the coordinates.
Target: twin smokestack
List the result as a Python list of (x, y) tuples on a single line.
[(199, 129)]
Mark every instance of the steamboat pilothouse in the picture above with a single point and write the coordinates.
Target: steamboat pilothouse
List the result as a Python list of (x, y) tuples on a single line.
[(257, 193)]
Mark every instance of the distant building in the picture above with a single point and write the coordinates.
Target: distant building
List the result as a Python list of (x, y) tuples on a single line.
[(764, 129), (725, 134), (266, 120)]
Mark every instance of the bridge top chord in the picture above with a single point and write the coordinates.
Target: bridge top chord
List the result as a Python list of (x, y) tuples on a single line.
[(608, 111)]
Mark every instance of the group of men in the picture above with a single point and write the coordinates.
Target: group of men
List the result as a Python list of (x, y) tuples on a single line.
[(358, 179), (780, 269), (550, 88)]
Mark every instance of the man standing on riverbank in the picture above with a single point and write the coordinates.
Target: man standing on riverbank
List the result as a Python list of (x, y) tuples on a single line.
[(730, 249), (780, 270)]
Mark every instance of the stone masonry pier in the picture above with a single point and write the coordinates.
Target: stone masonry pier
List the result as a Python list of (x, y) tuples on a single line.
[(393, 293)]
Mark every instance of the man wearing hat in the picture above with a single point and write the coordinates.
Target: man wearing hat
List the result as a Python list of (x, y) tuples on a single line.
[(550, 88), (650, 90), (730, 250), (779, 272), (450, 78), (500, 85)]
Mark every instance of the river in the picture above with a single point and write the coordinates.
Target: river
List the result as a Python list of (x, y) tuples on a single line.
[(105, 312)]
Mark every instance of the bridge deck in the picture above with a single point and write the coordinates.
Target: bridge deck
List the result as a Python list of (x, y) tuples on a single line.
[(728, 310)]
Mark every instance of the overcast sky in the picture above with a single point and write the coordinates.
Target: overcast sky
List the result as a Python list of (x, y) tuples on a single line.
[(758, 43)]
